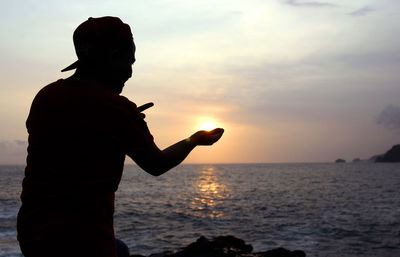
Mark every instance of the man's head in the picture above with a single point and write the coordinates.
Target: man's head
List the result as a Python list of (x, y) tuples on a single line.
[(105, 48)]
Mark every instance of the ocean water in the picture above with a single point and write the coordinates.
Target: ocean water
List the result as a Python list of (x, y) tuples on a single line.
[(350, 209)]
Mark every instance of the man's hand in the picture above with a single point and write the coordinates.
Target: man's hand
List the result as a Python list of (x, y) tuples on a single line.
[(203, 137), (144, 107)]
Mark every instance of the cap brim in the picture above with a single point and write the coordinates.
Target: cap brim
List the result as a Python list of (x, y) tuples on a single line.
[(71, 67)]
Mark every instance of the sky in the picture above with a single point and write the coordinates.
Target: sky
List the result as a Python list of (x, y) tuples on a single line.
[(288, 80)]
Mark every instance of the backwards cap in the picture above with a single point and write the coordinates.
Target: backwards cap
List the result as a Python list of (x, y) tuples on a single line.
[(97, 36)]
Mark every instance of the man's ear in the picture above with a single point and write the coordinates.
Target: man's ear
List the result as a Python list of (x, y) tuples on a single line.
[(114, 58), (115, 54)]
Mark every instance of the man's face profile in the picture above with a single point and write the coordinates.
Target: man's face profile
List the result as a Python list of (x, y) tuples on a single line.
[(121, 62)]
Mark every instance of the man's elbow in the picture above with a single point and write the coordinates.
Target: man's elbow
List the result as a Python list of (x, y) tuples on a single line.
[(155, 164), (155, 172), (152, 164)]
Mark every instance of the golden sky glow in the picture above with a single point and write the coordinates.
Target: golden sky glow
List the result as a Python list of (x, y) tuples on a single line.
[(289, 81)]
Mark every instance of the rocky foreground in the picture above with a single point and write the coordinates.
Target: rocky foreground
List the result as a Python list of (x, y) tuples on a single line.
[(224, 246)]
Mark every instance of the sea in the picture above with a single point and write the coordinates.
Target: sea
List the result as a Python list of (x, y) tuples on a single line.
[(324, 209)]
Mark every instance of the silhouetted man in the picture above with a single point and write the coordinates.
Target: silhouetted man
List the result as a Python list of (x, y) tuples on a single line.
[(80, 130)]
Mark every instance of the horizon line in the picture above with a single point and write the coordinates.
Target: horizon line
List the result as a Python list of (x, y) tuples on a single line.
[(222, 163)]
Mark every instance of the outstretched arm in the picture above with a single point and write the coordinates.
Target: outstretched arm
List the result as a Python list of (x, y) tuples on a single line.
[(156, 161)]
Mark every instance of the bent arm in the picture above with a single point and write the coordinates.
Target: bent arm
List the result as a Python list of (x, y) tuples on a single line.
[(157, 162)]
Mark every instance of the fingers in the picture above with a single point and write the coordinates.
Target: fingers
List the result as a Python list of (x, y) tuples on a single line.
[(215, 134), (216, 131), (145, 106), (216, 137)]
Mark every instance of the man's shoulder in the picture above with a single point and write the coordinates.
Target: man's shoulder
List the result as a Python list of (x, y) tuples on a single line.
[(76, 88), (67, 92), (46, 93), (52, 86)]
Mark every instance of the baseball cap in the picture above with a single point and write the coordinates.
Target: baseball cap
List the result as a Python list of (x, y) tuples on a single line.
[(97, 36)]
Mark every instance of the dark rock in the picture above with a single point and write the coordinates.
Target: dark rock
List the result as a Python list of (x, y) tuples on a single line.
[(219, 246), (225, 246), (281, 252), (340, 161), (393, 155)]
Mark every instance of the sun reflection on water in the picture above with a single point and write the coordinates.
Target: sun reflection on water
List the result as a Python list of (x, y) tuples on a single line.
[(209, 195)]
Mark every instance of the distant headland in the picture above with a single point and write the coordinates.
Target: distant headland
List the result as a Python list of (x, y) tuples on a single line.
[(392, 155)]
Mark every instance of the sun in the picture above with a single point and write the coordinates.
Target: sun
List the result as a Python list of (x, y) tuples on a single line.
[(208, 125)]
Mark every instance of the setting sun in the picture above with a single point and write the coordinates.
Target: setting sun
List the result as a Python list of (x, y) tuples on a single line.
[(208, 126)]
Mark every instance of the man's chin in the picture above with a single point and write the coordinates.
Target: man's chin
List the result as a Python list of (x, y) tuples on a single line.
[(119, 89), (119, 86)]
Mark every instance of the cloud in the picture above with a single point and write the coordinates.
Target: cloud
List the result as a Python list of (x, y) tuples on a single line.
[(308, 4), (362, 11), (13, 152), (390, 117)]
